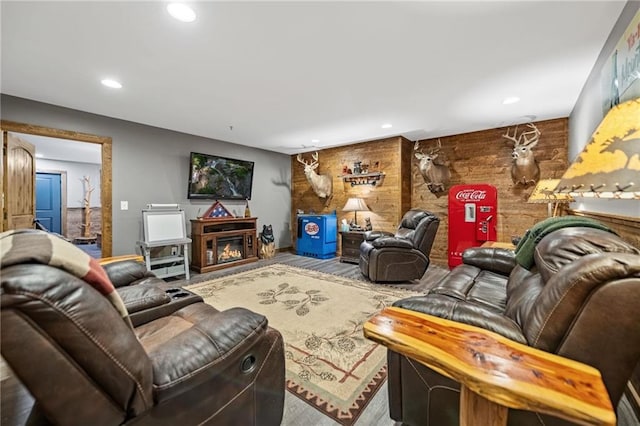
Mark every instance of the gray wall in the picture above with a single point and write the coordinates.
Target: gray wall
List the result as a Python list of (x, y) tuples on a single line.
[(151, 165), (588, 113)]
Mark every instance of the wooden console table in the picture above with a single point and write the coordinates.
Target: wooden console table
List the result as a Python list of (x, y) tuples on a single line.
[(494, 372), (211, 236)]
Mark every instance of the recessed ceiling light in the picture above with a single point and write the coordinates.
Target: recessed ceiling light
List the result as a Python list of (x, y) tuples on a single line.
[(181, 12), (387, 126), (111, 83), (38, 155), (315, 140), (510, 100)]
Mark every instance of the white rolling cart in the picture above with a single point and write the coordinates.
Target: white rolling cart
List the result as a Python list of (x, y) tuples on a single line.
[(163, 226)]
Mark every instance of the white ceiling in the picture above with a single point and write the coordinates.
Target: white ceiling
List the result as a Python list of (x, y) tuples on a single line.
[(276, 75), (64, 150)]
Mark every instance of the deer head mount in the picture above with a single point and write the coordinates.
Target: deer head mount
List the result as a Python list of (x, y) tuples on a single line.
[(435, 172), (322, 184), (524, 170)]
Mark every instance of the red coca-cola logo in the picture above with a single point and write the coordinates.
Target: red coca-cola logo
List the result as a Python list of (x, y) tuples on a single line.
[(311, 228), (471, 195)]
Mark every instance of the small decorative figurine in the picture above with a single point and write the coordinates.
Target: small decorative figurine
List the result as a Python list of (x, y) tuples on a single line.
[(356, 168), (267, 246), (367, 226)]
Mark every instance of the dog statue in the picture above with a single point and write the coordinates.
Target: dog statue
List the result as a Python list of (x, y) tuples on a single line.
[(267, 240)]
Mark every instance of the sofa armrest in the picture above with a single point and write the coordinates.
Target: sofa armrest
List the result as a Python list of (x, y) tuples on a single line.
[(495, 372), (144, 296), (127, 272), (498, 260), (372, 235), (384, 242)]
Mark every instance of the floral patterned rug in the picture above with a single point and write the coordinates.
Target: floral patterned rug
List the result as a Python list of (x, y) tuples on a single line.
[(329, 364)]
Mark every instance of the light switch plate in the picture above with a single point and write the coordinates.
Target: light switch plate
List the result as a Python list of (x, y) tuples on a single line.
[(124, 205)]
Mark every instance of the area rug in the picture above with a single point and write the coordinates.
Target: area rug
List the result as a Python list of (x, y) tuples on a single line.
[(329, 364)]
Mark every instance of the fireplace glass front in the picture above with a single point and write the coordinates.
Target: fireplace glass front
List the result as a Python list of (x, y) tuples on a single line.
[(230, 249)]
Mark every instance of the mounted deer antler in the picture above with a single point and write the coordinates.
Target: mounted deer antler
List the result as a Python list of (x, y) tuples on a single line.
[(322, 184), (436, 175), (524, 170)]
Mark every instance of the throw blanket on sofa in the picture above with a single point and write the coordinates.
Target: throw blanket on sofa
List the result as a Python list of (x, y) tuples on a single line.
[(526, 246), (32, 246)]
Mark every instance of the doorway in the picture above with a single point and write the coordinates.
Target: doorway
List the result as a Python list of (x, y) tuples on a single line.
[(105, 178)]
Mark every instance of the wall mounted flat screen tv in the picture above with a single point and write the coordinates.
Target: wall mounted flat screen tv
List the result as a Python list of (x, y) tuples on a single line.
[(218, 178)]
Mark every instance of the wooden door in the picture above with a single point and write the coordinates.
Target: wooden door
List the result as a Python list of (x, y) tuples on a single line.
[(18, 183)]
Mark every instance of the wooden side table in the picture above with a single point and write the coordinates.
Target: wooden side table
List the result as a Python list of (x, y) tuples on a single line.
[(351, 241), (495, 372), (497, 244)]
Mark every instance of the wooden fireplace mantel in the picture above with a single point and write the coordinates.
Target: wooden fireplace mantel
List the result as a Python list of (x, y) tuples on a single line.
[(207, 233)]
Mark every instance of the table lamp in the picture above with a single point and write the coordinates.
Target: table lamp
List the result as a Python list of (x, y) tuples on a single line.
[(355, 205), (609, 165)]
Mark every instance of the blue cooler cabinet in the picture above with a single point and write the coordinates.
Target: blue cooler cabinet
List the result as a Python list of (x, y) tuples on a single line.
[(317, 235)]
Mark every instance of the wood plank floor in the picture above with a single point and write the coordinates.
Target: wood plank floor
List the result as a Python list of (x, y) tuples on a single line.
[(16, 402)]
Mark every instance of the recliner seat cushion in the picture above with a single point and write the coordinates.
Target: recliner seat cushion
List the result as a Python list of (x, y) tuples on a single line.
[(181, 357)]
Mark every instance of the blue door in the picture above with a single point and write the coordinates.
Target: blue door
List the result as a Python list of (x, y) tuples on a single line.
[(49, 201)]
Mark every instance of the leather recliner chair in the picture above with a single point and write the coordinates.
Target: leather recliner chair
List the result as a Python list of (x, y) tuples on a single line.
[(579, 300), (403, 256), (183, 363)]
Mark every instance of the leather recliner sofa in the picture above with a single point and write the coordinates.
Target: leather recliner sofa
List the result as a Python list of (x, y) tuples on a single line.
[(579, 300), (403, 256), (182, 362), (145, 296)]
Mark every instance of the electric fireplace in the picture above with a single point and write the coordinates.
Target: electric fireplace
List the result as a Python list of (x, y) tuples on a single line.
[(229, 249), (223, 242)]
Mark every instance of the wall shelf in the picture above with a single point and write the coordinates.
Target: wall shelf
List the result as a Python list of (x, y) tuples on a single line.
[(372, 179)]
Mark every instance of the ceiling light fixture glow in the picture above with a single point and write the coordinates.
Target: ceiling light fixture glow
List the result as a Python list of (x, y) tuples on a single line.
[(510, 100), (111, 83), (181, 12), (387, 126), (315, 140)]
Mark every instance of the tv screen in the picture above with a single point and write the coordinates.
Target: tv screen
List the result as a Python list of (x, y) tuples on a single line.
[(213, 177)]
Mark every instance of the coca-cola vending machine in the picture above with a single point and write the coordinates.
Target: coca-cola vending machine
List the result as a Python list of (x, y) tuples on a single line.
[(473, 218)]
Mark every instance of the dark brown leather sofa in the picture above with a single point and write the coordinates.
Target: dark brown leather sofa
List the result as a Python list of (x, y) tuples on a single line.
[(403, 256), (579, 300), (184, 363)]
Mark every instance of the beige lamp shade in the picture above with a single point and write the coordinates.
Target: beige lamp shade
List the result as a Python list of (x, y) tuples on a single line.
[(355, 205), (609, 165), (543, 193)]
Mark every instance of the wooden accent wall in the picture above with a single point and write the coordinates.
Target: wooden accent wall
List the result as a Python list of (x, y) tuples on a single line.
[(387, 201), (627, 227), (478, 157), (485, 157)]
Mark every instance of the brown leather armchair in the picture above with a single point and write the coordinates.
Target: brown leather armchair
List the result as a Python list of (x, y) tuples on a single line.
[(186, 363), (403, 256), (579, 300)]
